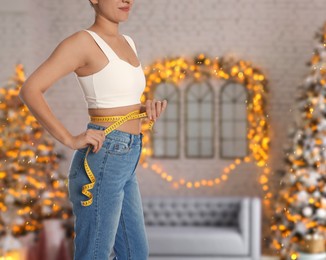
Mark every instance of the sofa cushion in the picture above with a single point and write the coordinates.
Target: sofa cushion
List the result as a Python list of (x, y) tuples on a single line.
[(198, 240), (191, 211)]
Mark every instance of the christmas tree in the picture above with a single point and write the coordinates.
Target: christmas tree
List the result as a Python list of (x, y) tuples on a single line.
[(32, 188), (300, 210)]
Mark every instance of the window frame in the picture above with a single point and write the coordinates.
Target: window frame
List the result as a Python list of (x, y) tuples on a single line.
[(178, 121), (185, 119), (220, 97)]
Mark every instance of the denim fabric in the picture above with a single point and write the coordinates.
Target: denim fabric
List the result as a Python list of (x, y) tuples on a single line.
[(115, 219)]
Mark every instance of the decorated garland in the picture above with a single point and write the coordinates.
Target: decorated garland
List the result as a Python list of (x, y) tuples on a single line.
[(202, 68)]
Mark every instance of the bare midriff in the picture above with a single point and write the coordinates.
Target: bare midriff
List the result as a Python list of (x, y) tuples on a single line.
[(131, 126)]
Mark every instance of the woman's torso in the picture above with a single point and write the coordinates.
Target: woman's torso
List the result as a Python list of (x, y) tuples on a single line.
[(112, 50), (131, 126)]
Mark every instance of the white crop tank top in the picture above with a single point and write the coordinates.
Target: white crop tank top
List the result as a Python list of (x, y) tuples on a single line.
[(117, 84)]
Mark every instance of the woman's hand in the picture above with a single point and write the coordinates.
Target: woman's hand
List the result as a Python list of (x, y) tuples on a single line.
[(90, 136), (155, 108)]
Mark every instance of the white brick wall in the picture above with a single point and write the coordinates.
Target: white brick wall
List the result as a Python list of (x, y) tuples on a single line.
[(275, 35)]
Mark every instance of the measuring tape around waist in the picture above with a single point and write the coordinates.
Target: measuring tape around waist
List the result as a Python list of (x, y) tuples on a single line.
[(119, 121)]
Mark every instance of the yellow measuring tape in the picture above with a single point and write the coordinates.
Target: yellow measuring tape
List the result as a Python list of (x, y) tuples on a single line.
[(119, 121)]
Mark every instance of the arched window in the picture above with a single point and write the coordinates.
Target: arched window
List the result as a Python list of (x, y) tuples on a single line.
[(199, 120), (166, 137), (233, 121)]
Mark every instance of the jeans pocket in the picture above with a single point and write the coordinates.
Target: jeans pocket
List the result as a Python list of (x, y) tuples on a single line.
[(77, 163), (83, 150), (117, 147)]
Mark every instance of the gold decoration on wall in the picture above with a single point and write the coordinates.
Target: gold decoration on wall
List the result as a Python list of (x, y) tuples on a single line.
[(202, 68)]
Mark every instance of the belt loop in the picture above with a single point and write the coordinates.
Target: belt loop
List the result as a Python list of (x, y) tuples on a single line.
[(131, 139)]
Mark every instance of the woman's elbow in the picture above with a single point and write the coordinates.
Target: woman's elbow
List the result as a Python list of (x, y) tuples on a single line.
[(25, 93), (22, 93)]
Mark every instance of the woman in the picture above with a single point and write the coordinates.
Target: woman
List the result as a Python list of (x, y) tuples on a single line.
[(106, 154)]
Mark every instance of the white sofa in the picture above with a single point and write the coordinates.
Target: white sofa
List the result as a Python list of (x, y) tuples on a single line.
[(203, 228)]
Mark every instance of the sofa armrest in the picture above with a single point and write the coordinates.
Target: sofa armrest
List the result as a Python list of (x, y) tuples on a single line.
[(256, 228), (244, 222), (249, 219)]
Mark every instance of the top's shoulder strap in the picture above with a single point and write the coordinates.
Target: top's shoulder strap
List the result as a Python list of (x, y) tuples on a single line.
[(131, 43), (103, 45)]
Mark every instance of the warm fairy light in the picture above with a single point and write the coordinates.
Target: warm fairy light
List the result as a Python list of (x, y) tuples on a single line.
[(263, 179), (217, 180), (265, 188), (2, 174), (175, 185), (12, 255), (189, 184), (224, 177), (203, 182)]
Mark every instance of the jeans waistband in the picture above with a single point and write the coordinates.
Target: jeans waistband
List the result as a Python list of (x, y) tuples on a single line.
[(117, 134)]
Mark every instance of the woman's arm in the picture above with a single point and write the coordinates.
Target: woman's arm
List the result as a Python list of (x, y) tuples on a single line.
[(66, 57)]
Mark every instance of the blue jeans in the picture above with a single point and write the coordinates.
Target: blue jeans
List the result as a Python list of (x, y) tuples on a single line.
[(115, 218)]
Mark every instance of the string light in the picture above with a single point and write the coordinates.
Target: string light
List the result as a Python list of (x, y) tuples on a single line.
[(202, 68), (33, 189)]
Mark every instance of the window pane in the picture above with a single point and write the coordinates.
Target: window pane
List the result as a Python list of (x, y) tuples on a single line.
[(172, 147), (227, 111), (227, 147), (240, 129), (207, 111), (241, 148), (192, 110), (240, 111), (192, 147), (159, 125), (206, 147), (225, 98), (206, 129), (170, 111), (158, 147), (172, 129), (227, 129), (193, 129)]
